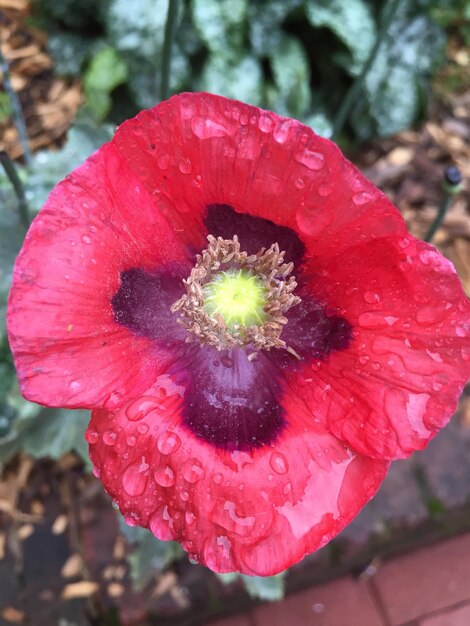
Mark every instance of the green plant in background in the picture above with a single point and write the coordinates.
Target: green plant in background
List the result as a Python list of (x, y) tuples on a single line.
[(298, 57)]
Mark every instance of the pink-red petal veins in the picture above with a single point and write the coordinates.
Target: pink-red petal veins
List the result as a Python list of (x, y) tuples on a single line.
[(255, 512), (222, 151), (68, 348), (399, 381)]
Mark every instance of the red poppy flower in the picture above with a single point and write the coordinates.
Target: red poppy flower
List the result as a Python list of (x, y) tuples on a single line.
[(247, 401)]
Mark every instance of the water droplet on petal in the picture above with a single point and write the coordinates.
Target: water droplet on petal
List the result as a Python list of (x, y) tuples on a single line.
[(265, 124), (164, 476), (162, 526), (325, 190), (86, 239), (282, 130), (189, 518), (184, 495), (168, 442), (362, 198), (192, 471), (185, 166), (205, 128), (109, 437), (142, 429), (218, 479), (140, 408), (371, 297), (92, 436), (131, 441), (75, 386), (313, 160), (134, 480), (131, 519), (279, 463)]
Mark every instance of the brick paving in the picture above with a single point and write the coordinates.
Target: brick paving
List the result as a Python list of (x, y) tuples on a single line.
[(427, 587)]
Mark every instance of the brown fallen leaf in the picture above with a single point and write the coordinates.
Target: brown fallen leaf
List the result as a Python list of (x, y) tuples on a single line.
[(12, 615), (60, 524), (72, 566), (82, 589)]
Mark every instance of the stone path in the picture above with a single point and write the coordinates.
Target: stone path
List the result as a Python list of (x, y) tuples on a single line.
[(427, 587)]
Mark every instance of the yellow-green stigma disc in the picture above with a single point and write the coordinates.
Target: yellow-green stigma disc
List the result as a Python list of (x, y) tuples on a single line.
[(237, 296)]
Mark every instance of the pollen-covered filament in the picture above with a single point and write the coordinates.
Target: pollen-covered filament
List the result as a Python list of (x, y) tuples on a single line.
[(238, 296), (237, 299)]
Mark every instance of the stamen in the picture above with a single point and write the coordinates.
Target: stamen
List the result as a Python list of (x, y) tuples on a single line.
[(266, 287)]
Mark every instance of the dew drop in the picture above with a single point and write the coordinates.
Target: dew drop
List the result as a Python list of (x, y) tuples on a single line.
[(185, 166), (189, 518), (164, 476), (205, 128), (75, 386), (265, 124), (226, 361), (313, 160), (192, 471), (218, 479), (131, 519), (115, 505), (325, 190), (134, 480), (86, 239), (287, 489), (279, 463), (184, 495), (96, 471), (92, 436), (362, 198), (140, 408), (168, 442), (142, 429), (109, 437), (371, 297), (131, 441), (299, 183), (282, 131), (363, 359)]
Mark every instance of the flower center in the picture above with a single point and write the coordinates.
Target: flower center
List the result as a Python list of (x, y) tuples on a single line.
[(235, 299), (238, 296)]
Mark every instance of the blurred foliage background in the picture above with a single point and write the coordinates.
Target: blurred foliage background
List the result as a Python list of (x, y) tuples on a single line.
[(296, 57)]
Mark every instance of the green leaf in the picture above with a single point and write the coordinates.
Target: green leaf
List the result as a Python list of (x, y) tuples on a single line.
[(220, 24), (269, 588), (138, 34), (352, 23), (41, 432), (234, 77), (11, 238), (291, 74), (264, 20), (70, 51), (399, 78), (149, 556), (49, 167), (106, 71)]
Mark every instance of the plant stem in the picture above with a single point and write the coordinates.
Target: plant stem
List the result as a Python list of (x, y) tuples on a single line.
[(354, 91), (441, 213), (10, 171), (18, 117), (451, 185), (170, 29)]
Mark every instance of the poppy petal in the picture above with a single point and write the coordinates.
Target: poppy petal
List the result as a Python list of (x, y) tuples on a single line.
[(255, 512), (399, 381), (199, 150), (68, 348)]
